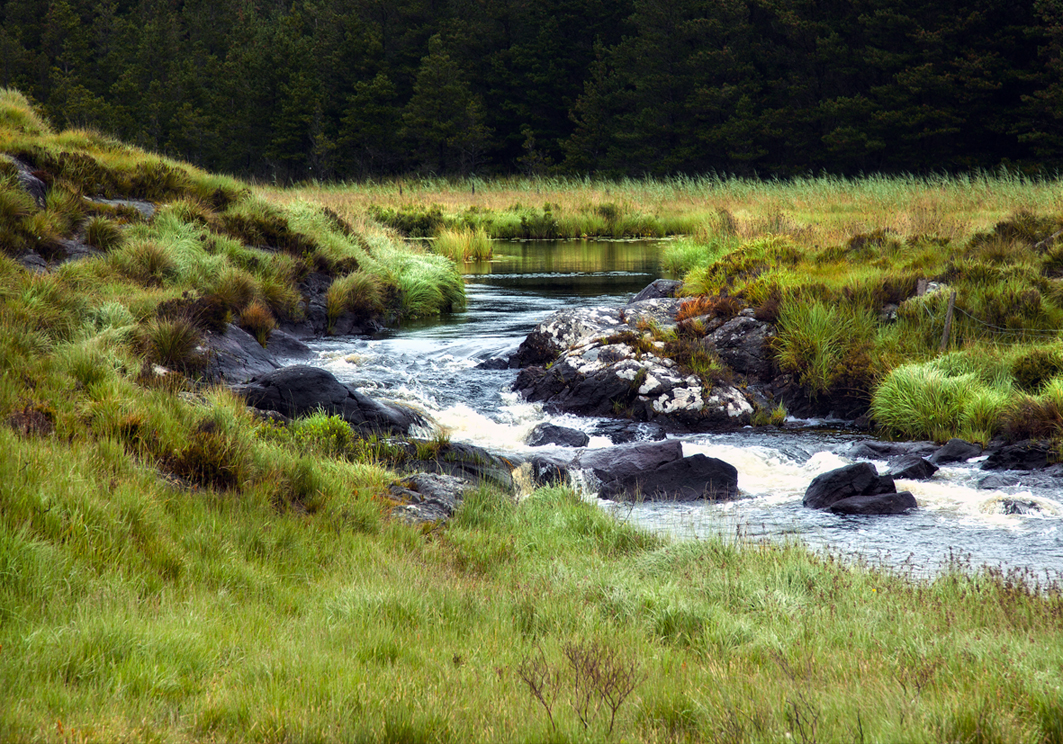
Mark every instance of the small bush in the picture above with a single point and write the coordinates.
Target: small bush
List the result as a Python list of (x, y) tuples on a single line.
[(411, 221), (103, 234), (917, 401), (235, 289), (15, 204), (257, 320)]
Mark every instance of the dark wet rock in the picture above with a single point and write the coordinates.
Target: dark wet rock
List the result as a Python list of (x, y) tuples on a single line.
[(33, 262), (301, 390), (283, 345), (872, 449), (236, 357), (884, 503), (955, 450), (29, 182), (428, 497), (687, 479), (858, 479), (615, 463), (744, 344), (657, 290), (145, 208), (548, 471), (495, 363), (544, 434), (1013, 507), (75, 250), (467, 461), (625, 432), (913, 467), (995, 482), (1028, 455)]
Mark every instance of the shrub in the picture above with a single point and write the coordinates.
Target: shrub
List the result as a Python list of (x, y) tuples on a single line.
[(411, 221), (257, 320), (235, 289), (324, 434), (15, 204), (815, 339), (103, 234), (210, 459)]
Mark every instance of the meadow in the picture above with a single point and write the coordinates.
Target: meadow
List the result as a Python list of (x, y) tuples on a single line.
[(174, 569)]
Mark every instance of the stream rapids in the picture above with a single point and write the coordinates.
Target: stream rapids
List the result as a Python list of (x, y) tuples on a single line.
[(434, 366)]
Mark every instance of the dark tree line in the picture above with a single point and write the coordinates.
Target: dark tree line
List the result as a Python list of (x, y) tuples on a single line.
[(292, 89)]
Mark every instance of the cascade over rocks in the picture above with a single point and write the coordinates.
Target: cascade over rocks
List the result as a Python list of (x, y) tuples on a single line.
[(857, 489), (300, 390)]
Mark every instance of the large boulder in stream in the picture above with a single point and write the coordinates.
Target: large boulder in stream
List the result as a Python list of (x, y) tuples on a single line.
[(599, 361), (300, 390), (658, 471), (856, 489), (562, 436)]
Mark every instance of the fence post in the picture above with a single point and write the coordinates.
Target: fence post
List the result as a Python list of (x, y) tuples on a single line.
[(948, 321)]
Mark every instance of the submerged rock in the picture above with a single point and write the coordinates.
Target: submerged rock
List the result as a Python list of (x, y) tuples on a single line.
[(885, 503)]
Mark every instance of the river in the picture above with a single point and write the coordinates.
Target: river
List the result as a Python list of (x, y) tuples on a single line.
[(434, 365)]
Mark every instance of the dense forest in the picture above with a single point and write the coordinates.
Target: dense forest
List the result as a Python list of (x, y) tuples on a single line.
[(339, 89)]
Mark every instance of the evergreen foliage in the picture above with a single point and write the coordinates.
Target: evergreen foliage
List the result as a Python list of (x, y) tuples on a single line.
[(336, 90)]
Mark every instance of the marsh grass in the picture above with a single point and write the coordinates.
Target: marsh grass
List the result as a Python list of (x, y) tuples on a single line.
[(463, 245)]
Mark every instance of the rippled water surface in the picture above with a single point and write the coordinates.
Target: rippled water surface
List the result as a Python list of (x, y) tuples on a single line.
[(433, 365)]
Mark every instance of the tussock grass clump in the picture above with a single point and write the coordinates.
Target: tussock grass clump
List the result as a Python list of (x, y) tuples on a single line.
[(103, 233), (463, 244), (919, 401), (257, 320), (360, 293), (172, 343), (145, 262), (822, 343)]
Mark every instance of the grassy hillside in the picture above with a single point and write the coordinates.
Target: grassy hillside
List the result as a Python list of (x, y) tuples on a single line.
[(173, 569)]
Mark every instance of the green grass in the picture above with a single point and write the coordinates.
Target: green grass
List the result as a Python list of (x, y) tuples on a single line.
[(173, 569)]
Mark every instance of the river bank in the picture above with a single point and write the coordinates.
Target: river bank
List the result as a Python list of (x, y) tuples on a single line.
[(175, 568)]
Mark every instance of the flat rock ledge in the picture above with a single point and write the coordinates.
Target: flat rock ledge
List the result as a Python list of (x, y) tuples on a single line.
[(595, 362)]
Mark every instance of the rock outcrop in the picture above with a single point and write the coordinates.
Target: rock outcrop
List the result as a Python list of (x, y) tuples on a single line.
[(300, 390), (599, 362)]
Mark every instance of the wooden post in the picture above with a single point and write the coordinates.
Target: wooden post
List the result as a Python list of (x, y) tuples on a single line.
[(920, 287), (948, 321)]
